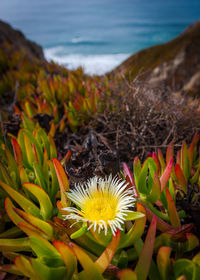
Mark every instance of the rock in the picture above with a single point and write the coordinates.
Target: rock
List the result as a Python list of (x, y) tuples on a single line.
[(174, 65), (17, 39)]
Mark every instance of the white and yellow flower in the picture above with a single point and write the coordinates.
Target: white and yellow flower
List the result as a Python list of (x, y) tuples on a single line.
[(102, 203)]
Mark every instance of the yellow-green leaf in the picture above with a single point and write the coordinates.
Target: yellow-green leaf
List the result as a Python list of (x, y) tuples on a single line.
[(68, 257), (106, 257), (145, 258), (90, 269), (63, 181), (131, 216), (173, 215), (163, 262), (25, 203), (15, 245), (127, 274), (46, 207), (40, 225)]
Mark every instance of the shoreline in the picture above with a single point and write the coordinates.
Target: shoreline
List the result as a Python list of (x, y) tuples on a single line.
[(93, 64)]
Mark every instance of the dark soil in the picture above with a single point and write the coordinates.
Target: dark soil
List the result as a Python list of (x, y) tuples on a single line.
[(135, 127)]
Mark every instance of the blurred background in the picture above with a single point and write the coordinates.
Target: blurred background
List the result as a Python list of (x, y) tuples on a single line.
[(98, 34)]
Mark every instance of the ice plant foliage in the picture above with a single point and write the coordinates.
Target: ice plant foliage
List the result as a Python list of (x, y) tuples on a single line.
[(108, 223), (102, 203)]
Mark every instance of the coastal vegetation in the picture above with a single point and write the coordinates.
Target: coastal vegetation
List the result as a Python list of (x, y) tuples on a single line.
[(99, 175)]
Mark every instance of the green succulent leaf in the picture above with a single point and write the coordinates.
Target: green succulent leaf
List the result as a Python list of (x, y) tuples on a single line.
[(9, 207), (46, 272), (105, 259), (23, 175), (63, 181), (39, 176), (39, 225), (187, 268), (43, 140), (91, 270), (161, 225), (136, 170), (181, 178), (196, 259), (185, 165), (37, 145), (146, 176), (17, 152), (195, 177), (123, 260), (142, 184), (20, 140), (25, 203), (80, 232), (155, 192), (163, 262), (29, 150), (54, 181), (27, 123), (176, 243), (192, 241), (6, 177), (161, 160), (152, 167), (131, 216), (26, 141), (192, 150), (15, 245), (46, 207), (170, 152), (135, 231), (12, 165), (127, 274), (68, 257), (145, 258), (24, 265), (45, 251), (173, 214), (46, 174), (53, 150), (166, 174)]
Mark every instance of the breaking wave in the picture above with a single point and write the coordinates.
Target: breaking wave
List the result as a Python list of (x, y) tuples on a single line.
[(97, 64)]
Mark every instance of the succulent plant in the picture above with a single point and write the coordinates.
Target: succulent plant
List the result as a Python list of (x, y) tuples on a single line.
[(41, 200), (128, 227)]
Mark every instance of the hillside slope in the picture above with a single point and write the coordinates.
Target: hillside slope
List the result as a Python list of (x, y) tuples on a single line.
[(174, 65), (17, 39)]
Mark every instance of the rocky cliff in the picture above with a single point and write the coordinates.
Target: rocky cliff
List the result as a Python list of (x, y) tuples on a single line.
[(174, 65), (17, 39)]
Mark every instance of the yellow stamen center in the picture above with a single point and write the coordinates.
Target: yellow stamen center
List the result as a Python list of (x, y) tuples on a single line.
[(100, 207)]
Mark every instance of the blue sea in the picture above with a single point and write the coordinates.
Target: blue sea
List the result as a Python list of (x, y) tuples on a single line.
[(98, 34)]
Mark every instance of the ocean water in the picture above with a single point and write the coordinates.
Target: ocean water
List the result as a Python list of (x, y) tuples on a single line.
[(98, 34)]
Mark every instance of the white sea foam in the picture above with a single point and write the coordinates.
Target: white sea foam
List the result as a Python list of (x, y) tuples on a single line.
[(78, 39), (92, 64)]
